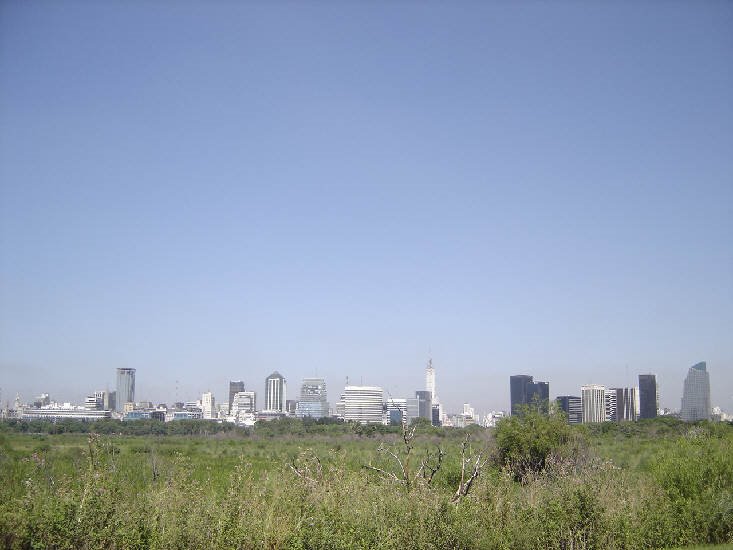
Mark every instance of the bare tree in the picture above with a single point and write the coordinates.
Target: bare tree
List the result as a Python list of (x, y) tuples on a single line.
[(402, 457), (471, 467)]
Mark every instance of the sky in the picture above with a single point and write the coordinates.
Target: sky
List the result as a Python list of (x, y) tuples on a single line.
[(208, 191)]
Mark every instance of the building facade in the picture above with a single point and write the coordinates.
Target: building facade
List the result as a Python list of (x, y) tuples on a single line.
[(424, 405), (571, 406), (696, 394), (524, 392), (626, 404), (208, 405), (313, 401), (364, 404), (593, 403), (125, 388), (430, 379), (275, 393), (648, 396), (235, 386)]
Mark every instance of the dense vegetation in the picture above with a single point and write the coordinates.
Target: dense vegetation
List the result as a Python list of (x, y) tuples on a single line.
[(538, 484)]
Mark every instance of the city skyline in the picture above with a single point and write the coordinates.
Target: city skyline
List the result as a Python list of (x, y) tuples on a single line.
[(213, 193)]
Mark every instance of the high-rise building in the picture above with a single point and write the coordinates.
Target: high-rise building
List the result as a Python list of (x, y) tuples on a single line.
[(243, 402), (430, 379), (525, 392), (208, 405), (364, 404), (593, 402), (610, 401), (125, 388), (648, 396), (424, 404), (625, 404), (313, 398), (571, 406), (396, 409), (696, 394), (235, 386), (275, 393)]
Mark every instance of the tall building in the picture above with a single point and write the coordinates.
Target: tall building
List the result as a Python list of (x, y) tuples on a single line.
[(571, 406), (593, 403), (364, 404), (208, 405), (625, 404), (525, 392), (244, 402), (648, 396), (696, 394), (313, 398), (430, 379), (396, 409), (125, 388), (610, 401), (235, 386), (424, 404), (275, 393)]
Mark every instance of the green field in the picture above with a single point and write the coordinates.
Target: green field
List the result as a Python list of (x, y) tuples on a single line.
[(659, 484)]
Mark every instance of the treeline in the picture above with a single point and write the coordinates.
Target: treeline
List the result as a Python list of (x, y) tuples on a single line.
[(276, 427)]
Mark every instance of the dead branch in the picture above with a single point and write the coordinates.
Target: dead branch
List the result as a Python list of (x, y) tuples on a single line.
[(477, 463)]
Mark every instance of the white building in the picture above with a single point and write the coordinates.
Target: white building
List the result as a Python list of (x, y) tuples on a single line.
[(275, 393), (208, 406), (593, 402), (364, 404)]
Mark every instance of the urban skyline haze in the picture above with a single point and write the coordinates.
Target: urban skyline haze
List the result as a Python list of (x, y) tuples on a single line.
[(208, 192)]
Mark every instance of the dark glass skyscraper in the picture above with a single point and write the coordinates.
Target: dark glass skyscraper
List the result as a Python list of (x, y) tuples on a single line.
[(424, 404), (648, 396), (524, 391)]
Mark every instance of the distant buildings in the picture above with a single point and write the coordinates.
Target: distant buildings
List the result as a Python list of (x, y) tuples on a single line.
[(572, 407), (275, 393), (125, 388), (625, 404), (208, 406), (525, 392), (363, 404), (313, 401), (593, 403), (430, 379), (696, 394), (648, 396), (235, 386), (424, 405)]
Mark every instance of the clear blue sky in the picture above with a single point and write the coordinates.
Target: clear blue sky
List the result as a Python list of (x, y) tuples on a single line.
[(208, 191)]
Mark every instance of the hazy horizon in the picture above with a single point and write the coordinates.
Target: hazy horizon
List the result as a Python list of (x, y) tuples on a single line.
[(214, 191)]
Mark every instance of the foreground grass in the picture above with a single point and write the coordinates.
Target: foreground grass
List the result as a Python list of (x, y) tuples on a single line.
[(646, 487)]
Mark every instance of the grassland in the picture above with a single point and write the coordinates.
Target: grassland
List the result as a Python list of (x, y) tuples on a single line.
[(645, 485)]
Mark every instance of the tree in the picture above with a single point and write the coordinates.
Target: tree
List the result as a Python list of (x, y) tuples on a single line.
[(527, 443)]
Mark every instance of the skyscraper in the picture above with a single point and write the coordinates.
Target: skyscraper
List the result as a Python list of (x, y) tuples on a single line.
[(313, 398), (593, 402), (125, 388), (648, 396), (275, 393), (610, 401), (424, 404), (626, 404), (571, 406), (525, 392), (430, 379), (235, 386), (208, 405), (364, 404), (696, 394)]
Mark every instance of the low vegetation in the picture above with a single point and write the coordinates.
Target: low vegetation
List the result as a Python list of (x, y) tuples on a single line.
[(533, 482)]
